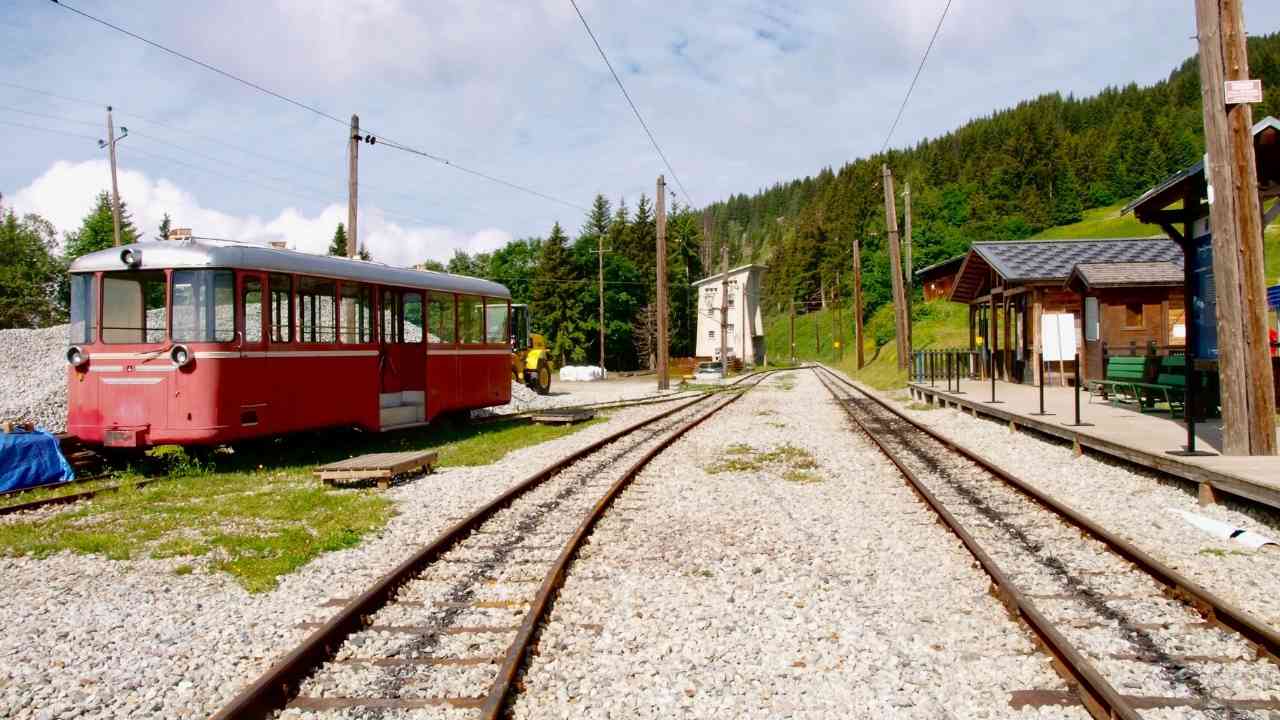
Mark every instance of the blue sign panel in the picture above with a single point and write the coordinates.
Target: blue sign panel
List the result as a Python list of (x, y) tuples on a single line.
[(1273, 296), (1204, 299)]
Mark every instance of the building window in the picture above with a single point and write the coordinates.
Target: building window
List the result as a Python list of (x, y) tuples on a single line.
[(1133, 316)]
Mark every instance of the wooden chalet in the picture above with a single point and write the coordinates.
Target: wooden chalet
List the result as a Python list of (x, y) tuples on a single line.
[(937, 280), (1118, 292)]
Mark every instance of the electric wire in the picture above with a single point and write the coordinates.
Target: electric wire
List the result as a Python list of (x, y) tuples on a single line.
[(310, 108), (48, 130), (912, 87), (630, 102)]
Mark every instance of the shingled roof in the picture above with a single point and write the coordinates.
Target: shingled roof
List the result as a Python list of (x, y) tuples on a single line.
[(1051, 261), (1093, 276)]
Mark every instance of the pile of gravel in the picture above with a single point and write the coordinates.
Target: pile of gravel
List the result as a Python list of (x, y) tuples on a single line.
[(33, 377)]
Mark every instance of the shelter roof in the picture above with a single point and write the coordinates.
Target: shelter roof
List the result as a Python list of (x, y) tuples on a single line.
[(1266, 145), (1095, 276), (940, 269), (1024, 262)]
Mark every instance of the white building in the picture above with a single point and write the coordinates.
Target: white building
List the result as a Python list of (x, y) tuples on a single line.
[(744, 326)]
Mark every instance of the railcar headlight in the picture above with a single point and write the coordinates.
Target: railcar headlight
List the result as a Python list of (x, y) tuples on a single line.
[(76, 357), (180, 355), (131, 257)]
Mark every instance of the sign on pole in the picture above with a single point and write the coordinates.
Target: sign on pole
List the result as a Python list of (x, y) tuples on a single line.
[(1241, 92)]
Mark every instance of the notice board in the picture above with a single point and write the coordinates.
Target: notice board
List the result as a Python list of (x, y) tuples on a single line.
[(1058, 336), (1204, 299)]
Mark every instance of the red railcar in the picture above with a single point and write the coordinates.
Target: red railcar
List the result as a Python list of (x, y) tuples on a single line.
[(210, 342)]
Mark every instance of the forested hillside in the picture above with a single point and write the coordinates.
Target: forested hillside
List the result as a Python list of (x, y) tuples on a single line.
[(1003, 177)]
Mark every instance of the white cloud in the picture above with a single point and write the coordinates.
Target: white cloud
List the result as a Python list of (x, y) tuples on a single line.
[(65, 192)]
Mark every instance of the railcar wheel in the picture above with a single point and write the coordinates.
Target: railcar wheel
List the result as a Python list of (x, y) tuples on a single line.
[(539, 380)]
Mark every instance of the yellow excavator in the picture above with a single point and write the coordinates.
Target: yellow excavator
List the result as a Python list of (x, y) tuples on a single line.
[(530, 359)]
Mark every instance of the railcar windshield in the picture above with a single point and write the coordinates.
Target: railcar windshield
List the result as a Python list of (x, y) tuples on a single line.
[(204, 306), (84, 303), (495, 320), (133, 307)]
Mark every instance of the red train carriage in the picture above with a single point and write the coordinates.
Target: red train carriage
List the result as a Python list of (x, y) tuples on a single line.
[(207, 342)]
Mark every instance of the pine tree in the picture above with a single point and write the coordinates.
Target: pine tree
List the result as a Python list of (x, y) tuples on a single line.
[(97, 231), (556, 310), (164, 228), (31, 275), (338, 246), (599, 219), (1067, 206)]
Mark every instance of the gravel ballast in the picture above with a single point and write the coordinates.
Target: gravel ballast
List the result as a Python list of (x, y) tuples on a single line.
[(1131, 503), (803, 579), (93, 638), (33, 377)]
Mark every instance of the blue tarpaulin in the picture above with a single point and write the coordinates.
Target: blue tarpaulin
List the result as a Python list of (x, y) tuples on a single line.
[(1273, 296), (28, 459)]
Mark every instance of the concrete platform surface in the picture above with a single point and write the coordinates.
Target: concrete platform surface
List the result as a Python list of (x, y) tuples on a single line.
[(1141, 438)]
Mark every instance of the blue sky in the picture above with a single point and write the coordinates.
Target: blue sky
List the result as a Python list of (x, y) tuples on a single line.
[(740, 95)]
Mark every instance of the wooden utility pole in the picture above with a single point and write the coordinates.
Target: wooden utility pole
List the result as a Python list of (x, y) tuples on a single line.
[(895, 264), (600, 268), (1235, 211), (857, 297), (724, 309), (353, 170), (906, 196), (839, 318), (115, 189), (793, 332), (663, 381)]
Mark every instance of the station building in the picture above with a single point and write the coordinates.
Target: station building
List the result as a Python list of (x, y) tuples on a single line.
[(744, 324)]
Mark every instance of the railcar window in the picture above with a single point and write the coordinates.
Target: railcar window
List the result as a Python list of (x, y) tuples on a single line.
[(316, 306), (133, 307), (281, 308), (470, 319), (84, 319), (204, 305), (411, 328), (356, 314), (495, 321), (251, 299), (440, 320), (391, 317)]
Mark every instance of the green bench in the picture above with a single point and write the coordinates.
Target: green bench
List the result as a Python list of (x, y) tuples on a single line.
[(1124, 375), (1171, 388)]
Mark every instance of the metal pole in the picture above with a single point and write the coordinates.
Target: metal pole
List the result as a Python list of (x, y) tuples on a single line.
[(1040, 362), (959, 390), (1077, 423), (993, 400)]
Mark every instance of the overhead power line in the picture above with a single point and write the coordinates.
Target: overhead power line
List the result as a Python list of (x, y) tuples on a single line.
[(312, 109), (912, 87), (630, 102)]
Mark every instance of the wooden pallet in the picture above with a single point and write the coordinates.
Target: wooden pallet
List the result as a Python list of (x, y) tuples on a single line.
[(563, 417), (377, 467)]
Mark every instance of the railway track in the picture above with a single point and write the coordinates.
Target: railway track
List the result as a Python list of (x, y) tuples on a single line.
[(1127, 633), (451, 626)]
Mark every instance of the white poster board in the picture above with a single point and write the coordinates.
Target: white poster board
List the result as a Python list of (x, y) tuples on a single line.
[(1058, 336)]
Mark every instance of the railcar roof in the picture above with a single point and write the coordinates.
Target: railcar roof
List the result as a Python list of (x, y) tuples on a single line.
[(246, 256)]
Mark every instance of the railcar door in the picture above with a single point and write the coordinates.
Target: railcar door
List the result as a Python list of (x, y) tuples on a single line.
[(389, 342), (251, 381)]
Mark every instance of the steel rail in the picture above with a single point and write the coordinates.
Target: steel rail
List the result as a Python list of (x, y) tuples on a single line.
[(74, 497), (495, 704), (1098, 695), (603, 405), (1208, 603), (277, 685)]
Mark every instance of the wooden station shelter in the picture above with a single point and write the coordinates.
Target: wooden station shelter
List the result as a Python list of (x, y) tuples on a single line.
[(1103, 293)]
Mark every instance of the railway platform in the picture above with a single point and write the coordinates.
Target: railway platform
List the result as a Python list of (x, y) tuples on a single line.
[(1144, 439)]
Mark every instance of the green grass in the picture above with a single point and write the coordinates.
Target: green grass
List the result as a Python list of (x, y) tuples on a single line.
[(56, 491), (1104, 222), (938, 324), (787, 461), (257, 512)]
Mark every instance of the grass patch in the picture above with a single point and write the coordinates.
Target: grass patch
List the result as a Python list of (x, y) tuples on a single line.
[(1218, 552), (786, 461), (255, 511), (183, 569), (1106, 222), (59, 490), (921, 406), (786, 381)]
